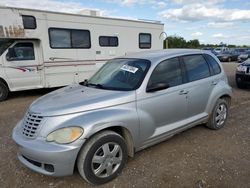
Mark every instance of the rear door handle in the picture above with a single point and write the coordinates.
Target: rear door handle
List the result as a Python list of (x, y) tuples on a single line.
[(183, 92)]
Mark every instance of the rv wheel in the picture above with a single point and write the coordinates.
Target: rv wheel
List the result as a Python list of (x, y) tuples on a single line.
[(4, 91)]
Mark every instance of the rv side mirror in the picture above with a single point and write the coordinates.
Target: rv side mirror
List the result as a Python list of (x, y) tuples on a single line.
[(157, 87), (11, 54)]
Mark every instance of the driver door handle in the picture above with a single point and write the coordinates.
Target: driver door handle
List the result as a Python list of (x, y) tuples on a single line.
[(183, 92), (214, 83)]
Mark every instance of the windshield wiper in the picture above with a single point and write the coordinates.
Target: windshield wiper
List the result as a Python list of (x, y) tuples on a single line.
[(86, 83), (96, 85)]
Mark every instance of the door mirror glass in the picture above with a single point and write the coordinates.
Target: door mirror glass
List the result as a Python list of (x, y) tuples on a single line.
[(157, 87)]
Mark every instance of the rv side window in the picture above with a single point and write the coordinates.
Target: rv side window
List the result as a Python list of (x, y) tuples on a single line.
[(21, 51), (106, 41), (69, 38), (29, 22), (80, 39), (144, 40)]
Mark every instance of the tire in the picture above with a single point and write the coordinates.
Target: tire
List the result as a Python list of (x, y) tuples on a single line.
[(240, 84), (109, 165), (219, 115), (4, 91)]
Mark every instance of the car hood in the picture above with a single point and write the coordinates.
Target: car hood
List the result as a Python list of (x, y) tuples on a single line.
[(78, 98), (246, 63)]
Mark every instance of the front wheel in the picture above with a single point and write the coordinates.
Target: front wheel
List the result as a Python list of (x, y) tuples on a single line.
[(102, 158), (219, 115)]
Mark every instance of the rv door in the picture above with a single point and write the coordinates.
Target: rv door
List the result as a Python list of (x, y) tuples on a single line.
[(23, 65)]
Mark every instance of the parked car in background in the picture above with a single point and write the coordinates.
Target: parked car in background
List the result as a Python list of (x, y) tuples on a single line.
[(219, 50), (227, 56), (239, 51), (210, 49), (244, 56), (242, 75), (131, 103)]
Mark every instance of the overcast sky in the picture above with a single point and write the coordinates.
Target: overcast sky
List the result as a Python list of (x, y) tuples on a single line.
[(211, 21)]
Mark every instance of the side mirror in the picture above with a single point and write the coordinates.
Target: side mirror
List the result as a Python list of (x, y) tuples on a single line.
[(157, 87), (11, 54)]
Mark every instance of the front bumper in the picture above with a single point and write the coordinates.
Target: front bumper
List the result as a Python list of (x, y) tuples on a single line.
[(242, 77), (46, 158)]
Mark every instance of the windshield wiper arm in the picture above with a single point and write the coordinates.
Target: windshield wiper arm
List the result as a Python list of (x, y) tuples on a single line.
[(84, 83), (95, 85)]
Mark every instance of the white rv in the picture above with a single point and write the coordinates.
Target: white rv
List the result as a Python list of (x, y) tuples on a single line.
[(42, 49)]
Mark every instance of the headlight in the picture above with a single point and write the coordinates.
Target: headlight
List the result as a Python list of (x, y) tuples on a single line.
[(241, 68), (65, 135)]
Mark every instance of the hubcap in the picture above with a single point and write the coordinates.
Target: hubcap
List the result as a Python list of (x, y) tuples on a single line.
[(107, 160), (221, 114)]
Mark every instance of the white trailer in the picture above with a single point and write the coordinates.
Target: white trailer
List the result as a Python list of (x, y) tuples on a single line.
[(42, 49)]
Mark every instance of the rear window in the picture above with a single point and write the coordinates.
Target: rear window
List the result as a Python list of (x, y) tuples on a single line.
[(196, 67), (214, 64), (29, 22)]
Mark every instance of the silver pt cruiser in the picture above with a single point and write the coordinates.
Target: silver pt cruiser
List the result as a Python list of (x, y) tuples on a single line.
[(131, 103)]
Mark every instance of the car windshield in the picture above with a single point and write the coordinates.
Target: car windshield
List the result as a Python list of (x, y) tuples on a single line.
[(120, 74), (4, 44)]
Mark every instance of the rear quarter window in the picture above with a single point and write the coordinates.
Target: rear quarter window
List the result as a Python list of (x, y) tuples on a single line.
[(214, 64)]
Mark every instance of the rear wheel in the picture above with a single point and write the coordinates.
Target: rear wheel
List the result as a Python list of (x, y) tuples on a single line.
[(219, 115), (102, 158), (4, 91)]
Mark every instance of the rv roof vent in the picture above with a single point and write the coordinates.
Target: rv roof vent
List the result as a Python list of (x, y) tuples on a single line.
[(90, 12)]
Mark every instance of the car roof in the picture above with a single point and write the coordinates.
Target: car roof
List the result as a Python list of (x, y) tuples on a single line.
[(158, 55)]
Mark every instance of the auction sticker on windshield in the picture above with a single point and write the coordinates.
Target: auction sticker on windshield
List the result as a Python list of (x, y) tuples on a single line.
[(129, 68)]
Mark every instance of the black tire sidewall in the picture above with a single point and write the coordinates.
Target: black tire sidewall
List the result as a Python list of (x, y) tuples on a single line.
[(4, 89), (240, 84), (91, 177)]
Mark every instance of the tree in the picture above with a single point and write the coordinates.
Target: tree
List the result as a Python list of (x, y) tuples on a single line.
[(193, 43), (176, 42)]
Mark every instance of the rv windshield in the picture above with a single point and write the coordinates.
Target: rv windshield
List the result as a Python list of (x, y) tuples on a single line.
[(4, 44), (120, 74)]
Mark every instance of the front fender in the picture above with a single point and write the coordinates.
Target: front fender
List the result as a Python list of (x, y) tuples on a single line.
[(94, 121)]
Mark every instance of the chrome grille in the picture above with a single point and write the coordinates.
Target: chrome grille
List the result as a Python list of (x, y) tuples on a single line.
[(31, 124)]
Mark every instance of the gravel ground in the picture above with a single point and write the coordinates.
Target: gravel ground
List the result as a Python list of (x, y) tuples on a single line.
[(198, 157)]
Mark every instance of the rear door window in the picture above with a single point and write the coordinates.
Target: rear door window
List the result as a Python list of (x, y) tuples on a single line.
[(196, 67)]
